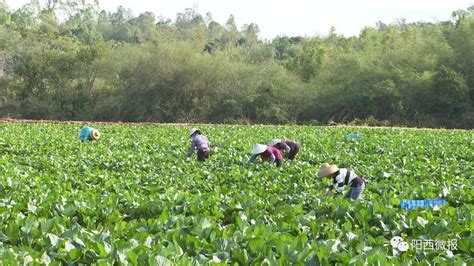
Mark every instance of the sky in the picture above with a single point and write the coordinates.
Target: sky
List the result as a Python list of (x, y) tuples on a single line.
[(296, 17)]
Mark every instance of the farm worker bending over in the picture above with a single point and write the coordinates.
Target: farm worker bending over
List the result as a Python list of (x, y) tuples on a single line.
[(289, 146), (267, 153), (341, 177), (199, 142), (89, 133)]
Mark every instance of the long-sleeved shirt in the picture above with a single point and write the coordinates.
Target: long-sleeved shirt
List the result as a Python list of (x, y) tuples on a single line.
[(85, 133), (198, 142), (287, 145), (270, 154), (340, 179)]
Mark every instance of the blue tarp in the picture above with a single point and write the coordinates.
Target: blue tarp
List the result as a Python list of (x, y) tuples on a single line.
[(412, 204)]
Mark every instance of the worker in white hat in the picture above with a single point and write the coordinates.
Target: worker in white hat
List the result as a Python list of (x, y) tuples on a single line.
[(88, 133), (290, 147), (342, 177), (200, 143), (267, 153)]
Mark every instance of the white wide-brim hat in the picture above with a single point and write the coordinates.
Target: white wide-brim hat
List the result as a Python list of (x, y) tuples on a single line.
[(274, 142), (193, 130), (95, 134), (259, 148), (327, 169)]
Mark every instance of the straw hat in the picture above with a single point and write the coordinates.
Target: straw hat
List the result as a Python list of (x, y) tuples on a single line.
[(95, 134), (327, 169), (274, 142), (193, 130), (259, 148)]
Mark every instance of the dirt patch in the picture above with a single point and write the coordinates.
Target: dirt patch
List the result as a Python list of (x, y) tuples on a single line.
[(13, 120)]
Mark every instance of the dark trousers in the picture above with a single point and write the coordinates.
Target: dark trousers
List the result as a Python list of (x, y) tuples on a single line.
[(293, 152), (278, 162), (203, 154), (357, 187)]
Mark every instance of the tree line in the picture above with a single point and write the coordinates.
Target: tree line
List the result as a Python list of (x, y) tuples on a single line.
[(70, 60)]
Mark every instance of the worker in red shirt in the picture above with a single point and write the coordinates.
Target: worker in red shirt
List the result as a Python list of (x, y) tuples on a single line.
[(267, 153), (290, 147)]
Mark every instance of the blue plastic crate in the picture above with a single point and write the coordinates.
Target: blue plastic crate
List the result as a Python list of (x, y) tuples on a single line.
[(354, 136), (412, 204)]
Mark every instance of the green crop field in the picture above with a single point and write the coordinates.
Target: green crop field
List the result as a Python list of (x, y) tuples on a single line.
[(132, 197)]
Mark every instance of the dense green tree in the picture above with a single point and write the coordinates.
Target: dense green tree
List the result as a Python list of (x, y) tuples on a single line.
[(67, 59), (451, 92), (56, 83)]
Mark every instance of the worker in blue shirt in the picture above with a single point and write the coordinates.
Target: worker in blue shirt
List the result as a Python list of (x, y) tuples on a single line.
[(88, 133)]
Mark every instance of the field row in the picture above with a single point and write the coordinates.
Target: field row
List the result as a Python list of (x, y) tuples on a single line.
[(132, 197)]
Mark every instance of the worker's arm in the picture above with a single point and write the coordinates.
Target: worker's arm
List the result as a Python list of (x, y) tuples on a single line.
[(285, 146), (338, 184), (252, 158), (272, 158)]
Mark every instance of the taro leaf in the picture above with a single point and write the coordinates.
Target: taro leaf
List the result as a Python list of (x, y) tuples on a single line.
[(45, 259), (257, 245), (466, 245), (53, 239), (159, 261), (131, 197), (421, 221)]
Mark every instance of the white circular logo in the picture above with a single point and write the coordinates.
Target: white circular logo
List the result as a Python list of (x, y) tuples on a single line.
[(395, 240), (403, 246), (398, 243)]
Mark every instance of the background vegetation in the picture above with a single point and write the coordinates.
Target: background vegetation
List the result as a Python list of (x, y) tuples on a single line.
[(70, 60)]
